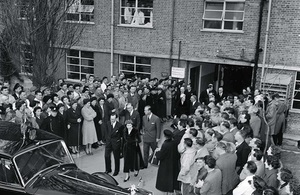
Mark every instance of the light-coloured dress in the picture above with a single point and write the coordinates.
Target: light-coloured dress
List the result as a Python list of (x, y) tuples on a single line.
[(89, 135)]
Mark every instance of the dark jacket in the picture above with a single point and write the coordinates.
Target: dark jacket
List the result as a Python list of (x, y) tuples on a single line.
[(114, 135), (242, 152)]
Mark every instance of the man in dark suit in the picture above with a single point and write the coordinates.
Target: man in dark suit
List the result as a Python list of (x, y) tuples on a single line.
[(114, 132), (131, 114), (204, 95), (242, 150), (213, 181), (151, 132), (193, 105), (104, 118), (220, 95)]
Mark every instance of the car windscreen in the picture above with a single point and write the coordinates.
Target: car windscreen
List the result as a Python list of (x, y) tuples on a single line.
[(40, 158)]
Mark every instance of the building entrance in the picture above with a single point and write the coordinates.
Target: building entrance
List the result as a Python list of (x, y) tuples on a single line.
[(235, 78)]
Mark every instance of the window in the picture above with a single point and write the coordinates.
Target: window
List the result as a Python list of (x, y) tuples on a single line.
[(296, 96), (224, 15), (79, 63), (81, 11), (136, 13), (140, 66), (7, 172), (27, 59)]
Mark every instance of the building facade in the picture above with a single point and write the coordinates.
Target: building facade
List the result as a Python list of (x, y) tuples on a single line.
[(214, 40)]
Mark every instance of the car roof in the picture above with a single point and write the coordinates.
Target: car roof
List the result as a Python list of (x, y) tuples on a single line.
[(13, 141)]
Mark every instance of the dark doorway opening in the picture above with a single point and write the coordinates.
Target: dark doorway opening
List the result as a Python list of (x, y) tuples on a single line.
[(235, 78), (194, 78)]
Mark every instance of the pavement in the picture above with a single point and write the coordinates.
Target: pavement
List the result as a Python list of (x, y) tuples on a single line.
[(96, 163)]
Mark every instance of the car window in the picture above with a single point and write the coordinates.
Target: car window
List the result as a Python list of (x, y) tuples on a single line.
[(7, 172), (40, 158)]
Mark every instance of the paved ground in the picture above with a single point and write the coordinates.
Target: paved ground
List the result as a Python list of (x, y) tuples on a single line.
[(96, 163)]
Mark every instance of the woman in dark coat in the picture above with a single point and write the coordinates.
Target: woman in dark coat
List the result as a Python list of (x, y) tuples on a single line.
[(165, 181), (133, 159), (73, 120), (97, 120), (62, 113), (182, 106)]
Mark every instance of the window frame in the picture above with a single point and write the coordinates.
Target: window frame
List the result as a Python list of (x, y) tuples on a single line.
[(78, 4), (135, 64), (222, 19), (294, 91), (80, 65), (135, 7)]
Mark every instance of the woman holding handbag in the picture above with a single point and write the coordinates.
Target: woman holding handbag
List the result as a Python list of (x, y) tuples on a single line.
[(133, 160)]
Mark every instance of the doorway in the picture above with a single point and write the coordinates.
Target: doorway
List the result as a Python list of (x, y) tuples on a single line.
[(235, 78), (194, 78)]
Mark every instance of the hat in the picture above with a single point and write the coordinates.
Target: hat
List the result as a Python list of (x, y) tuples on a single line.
[(85, 101), (93, 98), (46, 98), (168, 133), (33, 88), (110, 96)]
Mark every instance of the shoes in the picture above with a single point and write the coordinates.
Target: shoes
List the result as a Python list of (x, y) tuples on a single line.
[(95, 145), (115, 173), (126, 179), (136, 174), (298, 146), (107, 172)]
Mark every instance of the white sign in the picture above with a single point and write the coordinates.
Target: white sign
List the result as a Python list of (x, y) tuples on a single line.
[(178, 72)]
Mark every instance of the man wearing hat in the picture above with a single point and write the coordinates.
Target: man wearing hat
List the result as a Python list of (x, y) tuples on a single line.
[(152, 100), (204, 95), (54, 123)]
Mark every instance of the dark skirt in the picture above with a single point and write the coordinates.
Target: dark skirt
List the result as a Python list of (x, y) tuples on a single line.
[(133, 159), (74, 135)]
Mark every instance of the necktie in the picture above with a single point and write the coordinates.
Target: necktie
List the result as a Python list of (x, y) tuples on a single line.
[(148, 118)]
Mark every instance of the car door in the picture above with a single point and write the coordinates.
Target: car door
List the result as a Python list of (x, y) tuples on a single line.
[(9, 182)]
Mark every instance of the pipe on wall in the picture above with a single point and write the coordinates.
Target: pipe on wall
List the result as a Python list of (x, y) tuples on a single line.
[(112, 38), (266, 43), (172, 34)]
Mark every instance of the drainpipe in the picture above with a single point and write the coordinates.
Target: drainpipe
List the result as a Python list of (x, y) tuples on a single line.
[(179, 53), (172, 34), (112, 38), (257, 43), (266, 44)]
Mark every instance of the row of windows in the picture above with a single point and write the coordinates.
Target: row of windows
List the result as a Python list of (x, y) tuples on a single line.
[(218, 15), (81, 63)]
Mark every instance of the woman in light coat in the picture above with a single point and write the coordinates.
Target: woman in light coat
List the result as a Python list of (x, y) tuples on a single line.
[(89, 135)]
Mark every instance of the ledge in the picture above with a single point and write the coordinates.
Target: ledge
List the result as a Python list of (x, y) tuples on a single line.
[(223, 31)]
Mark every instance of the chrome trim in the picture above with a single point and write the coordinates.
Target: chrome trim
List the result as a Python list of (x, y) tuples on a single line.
[(76, 179)]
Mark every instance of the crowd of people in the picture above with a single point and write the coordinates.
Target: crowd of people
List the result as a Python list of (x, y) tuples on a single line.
[(217, 144)]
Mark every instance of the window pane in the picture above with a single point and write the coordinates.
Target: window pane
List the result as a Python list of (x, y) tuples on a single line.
[(297, 95), (143, 75), (298, 76), (128, 74), (143, 60), (129, 67), (235, 6), (73, 68), (87, 2), (127, 59), (234, 15), (214, 6), (87, 70), (140, 68), (145, 3), (73, 60), (75, 76), (87, 62), (296, 104), (126, 3), (297, 86), (213, 14), (87, 17), (87, 54), (213, 24), (233, 25), (73, 17), (73, 53)]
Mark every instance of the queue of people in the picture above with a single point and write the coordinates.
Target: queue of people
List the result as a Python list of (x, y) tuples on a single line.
[(216, 144)]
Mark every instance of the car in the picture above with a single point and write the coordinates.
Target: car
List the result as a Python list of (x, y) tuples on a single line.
[(34, 161)]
